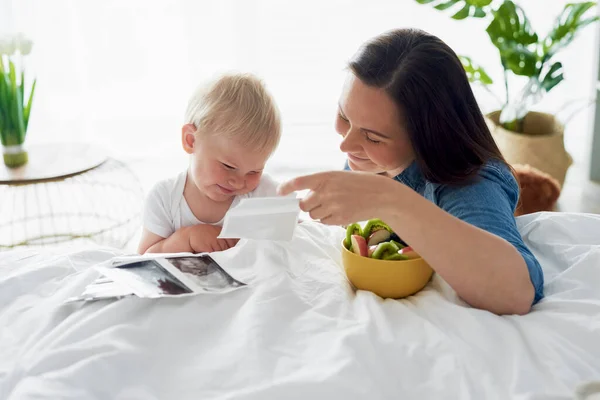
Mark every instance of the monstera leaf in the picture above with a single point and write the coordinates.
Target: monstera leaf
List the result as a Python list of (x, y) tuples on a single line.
[(519, 60), (521, 50), (475, 73), (461, 8), (553, 77), (567, 24), (512, 34)]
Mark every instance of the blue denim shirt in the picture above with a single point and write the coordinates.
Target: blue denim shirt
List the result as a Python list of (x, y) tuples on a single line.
[(488, 203)]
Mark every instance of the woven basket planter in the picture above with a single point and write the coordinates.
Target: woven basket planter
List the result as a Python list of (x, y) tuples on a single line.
[(541, 146)]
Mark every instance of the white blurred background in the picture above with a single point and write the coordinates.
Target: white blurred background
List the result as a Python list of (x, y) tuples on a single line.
[(119, 72)]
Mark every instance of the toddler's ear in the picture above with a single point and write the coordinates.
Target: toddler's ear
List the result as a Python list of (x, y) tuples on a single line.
[(188, 137)]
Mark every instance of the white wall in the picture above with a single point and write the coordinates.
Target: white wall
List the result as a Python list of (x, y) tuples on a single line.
[(118, 72)]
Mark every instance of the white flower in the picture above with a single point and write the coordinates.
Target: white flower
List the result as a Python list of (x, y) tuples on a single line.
[(22, 44), (7, 46)]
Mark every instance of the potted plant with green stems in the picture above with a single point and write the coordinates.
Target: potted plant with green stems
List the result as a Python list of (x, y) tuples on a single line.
[(15, 102), (524, 136)]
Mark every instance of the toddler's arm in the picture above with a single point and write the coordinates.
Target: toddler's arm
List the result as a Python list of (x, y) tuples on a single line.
[(203, 238), (178, 242), (193, 239)]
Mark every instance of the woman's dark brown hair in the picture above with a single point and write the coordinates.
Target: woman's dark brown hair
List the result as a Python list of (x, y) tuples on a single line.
[(427, 81)]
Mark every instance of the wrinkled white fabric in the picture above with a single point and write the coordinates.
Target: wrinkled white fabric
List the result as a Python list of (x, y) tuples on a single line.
[(300, 331)]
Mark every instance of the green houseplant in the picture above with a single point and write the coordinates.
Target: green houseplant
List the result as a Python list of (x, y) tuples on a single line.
[(15, 103), (524, 136)]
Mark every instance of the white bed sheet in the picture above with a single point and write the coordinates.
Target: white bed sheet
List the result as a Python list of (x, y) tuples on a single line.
[(300, 331)]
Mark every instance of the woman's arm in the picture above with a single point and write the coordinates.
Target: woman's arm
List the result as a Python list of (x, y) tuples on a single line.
[(485, 270)]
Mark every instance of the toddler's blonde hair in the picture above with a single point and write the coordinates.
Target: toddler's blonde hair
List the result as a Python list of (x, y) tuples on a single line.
[(239, 106)]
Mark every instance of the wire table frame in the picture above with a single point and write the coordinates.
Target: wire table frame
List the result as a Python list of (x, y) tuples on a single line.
[(102, 205)]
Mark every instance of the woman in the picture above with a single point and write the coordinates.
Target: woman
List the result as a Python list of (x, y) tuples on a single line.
[(422, 159)]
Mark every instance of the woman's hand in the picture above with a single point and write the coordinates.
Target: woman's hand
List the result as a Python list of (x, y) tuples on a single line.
[(342, 197), (203, 238), (484, 269)]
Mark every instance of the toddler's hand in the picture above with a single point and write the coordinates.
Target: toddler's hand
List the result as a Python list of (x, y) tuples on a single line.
[(203, 238)]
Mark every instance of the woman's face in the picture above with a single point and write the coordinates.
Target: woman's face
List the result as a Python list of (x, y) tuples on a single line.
[(371, 126)]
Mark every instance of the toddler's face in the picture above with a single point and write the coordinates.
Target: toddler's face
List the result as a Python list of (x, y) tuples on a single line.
[(222, 168)]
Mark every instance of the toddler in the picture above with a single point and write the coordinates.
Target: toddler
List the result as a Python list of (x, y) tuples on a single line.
[(232, 127)]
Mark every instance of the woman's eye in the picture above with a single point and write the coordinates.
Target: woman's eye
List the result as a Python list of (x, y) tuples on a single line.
[(371, 140)]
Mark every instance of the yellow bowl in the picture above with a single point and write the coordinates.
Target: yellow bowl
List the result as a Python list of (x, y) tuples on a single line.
[(387, 279)]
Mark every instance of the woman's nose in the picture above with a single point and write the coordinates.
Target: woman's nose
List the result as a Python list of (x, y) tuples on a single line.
[(350, 142)]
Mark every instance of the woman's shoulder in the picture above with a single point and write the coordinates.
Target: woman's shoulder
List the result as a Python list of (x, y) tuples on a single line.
[(498, 170), (493, 180)]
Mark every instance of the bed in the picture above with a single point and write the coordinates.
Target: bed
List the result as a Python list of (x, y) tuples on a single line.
[(299, 330)]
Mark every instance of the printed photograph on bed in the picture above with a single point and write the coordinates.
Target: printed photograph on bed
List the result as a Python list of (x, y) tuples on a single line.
[(204, 273), (154, 277), (171, 276), (102, 289), (147, 278)]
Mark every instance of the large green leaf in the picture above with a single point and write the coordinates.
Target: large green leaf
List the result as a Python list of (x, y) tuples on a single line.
[(461, 9), (566, 26), (553, 77), (446, 5), (511, 32), (520, 60), (511, 26), (475, 73)]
